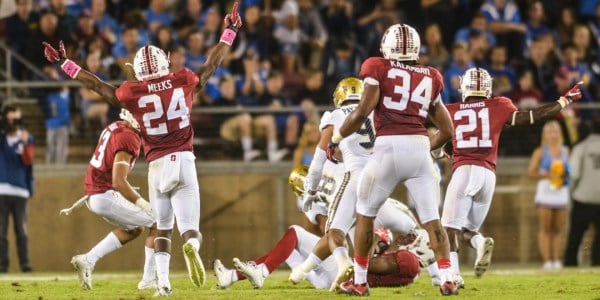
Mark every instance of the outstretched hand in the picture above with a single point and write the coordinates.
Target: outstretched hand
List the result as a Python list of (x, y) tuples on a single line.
[(574, 94), (52, 55), (233, 20)]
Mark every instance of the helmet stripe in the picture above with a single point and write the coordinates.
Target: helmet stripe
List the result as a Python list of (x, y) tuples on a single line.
[(147, 59), (478, 80), (404, 38)]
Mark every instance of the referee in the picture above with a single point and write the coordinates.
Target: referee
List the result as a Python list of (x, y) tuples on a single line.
[(585, 192)]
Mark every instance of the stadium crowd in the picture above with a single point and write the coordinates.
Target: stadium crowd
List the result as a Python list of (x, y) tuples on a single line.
[(291, 53)]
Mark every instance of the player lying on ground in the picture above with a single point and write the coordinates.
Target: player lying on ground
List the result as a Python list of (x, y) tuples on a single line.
[(109, 195), (161, 102), (478, 122)]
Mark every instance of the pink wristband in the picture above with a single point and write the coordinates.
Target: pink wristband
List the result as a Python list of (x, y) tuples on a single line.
[(228, 36), (70, 68)]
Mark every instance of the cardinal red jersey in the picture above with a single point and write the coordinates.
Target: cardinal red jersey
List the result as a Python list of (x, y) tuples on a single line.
[(477, 128), (162, 107), (115, 137), (406, 94)]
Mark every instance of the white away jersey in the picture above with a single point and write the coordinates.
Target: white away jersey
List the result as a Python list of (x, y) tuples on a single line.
[(357, 147)]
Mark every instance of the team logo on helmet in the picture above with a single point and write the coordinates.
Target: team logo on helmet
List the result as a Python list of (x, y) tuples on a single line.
[(401, 42), (475, 82), (150, 62), (297, 179), (348, 89)]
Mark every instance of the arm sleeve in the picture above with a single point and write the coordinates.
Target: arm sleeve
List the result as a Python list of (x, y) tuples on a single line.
[(315, 170)]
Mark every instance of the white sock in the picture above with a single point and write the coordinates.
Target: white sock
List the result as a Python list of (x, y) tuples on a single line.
[(360, 274), (454, 262), (310, 263), (265, 270), (107, 245), (162, 268), (341, 257), (433, 270), (446, 275), (195, 243), (247, 144), (234, 276), (272, 146), (149, 265), (476, 240)]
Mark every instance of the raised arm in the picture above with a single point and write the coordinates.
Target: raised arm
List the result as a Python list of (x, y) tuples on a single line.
[(74, 71), (520, 118), (233, 22)]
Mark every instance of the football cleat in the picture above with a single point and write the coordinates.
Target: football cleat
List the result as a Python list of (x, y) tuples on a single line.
[(164, 291), (224, 275), (346, 272), (297, 275), (459, 281), (194, 265), (253, 272), (147, 284), (84, 270), (436, 281), (484, 256), (352, 289), (448, 288)]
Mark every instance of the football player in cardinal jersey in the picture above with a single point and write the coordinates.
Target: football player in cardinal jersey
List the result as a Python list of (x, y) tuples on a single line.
[(161, 102), (109, 194), (478, 122), (402, 95)]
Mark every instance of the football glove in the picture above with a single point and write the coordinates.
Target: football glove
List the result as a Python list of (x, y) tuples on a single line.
[(145, 206), (55, 56), (331, 152), (308, 199), (233, 20), (574, 94)]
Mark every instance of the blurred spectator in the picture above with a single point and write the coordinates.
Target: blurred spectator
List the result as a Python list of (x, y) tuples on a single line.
[(275, 97), (313, 35), (586, 8), (433, 47), (48, 32), (566, 25), (287, 32), (384, 12), (441, 12), (582, 40), (504, 77), (164, 38), (577, 67), (156, 15), (16, 184), (243, 127), (314, 89), (526, 96), (254, 76), (178, 59), (536, 23), (87, 31), (195, 55), (67, 22), (124, 50), (337, 17), (479, 24), (309, 139), (461, 61), (594, 25), (541, 64), (549, 164), (93, 107), (504, 19), (343, 62), (189, 17), (104, 22), (212, 27), (478, 48), (58, 121), (256, 35), (21, 25), (585, 193)]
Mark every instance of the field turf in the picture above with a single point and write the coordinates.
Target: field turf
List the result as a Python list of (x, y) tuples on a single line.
[(501, 283)]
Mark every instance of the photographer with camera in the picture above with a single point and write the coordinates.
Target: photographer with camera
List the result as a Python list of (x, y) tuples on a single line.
[(16, 183)]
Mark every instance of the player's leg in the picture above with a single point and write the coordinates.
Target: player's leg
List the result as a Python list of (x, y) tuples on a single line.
[(149, 280), (258, 270), (396, 217), (186, 207), (341, 218), (377, 181), (319, 252), (545, 218), (559, 219)]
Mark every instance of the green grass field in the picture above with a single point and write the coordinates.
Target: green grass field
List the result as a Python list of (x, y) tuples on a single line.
[(497, 284)]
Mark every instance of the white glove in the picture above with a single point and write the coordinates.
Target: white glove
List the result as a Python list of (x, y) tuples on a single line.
[(145, 206), (309, 199)]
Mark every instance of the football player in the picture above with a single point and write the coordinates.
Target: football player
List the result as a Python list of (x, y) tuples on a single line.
[(161, 102), (109, 195), (402, 94), (478, 121)]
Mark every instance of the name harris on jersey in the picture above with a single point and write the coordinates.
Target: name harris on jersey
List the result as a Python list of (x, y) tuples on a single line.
[(159, 86), (472, 105)]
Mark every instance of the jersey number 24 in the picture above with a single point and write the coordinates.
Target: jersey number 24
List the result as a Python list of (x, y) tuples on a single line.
[(176, 109)]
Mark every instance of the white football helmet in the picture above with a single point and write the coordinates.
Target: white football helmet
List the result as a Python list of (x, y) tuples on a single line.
[(150, 62), (400, 42), (125, 115), (420, 248), (475, 82)]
